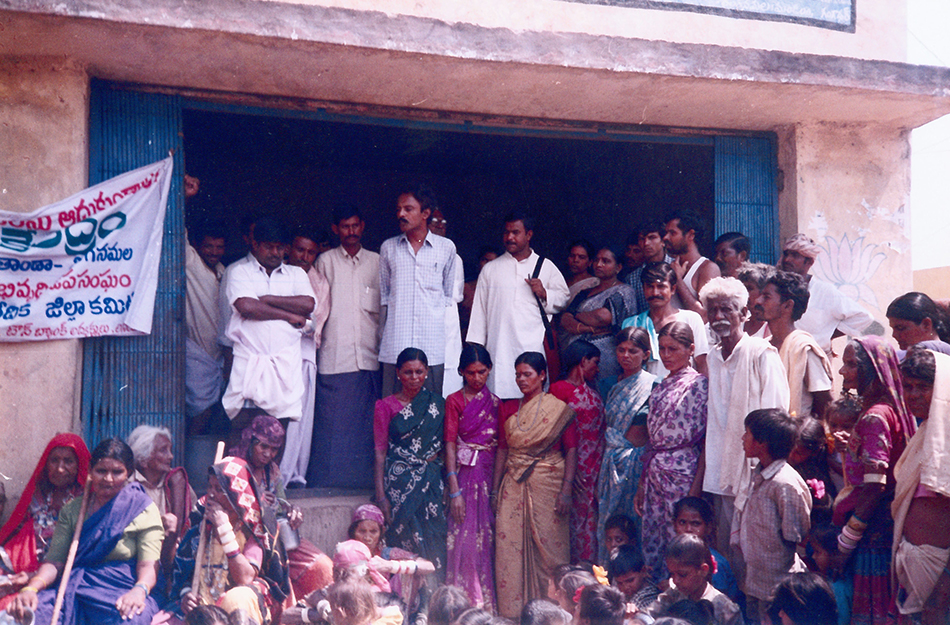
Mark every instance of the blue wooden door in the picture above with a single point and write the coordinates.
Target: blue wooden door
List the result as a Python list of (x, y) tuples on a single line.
[(746, 195), (129, 381)]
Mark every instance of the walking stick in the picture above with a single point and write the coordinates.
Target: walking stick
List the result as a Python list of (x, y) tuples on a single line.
[(202, 540), (61, 593)]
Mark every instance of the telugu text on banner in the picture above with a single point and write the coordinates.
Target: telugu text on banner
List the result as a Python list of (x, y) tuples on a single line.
[(88, 265)]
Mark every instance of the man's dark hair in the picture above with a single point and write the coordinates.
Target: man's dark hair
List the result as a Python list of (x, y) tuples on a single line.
[(207, 228), (650, 226), (658, 272), (345, 211), (269, 230), (687, 220), (693, 612), (602, 605), (791, 286), (447, 603), (521, 216), (542, 612), (805, 598), (775, 428), (736, 240), (628, 559), (423, 194)]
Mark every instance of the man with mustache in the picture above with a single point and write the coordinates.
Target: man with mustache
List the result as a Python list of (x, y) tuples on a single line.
[(506, 318), (781, 303), (693, 270), (745, 374), (658, 282), (416, 283), (348, 379)]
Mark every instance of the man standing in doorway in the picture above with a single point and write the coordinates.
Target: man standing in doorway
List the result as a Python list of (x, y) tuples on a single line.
[(745, 374), (506, 318), (732, 249), (271, 304), (650, 236), (348, 381), (293, 466), (830, 312), (658, 281), (204, 361), (781, 303), (693, 270), (416, 283)]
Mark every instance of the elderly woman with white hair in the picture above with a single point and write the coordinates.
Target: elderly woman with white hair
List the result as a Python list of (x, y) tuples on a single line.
[(168, 487)]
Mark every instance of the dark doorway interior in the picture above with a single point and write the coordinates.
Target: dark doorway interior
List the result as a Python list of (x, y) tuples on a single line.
[(578, 187)]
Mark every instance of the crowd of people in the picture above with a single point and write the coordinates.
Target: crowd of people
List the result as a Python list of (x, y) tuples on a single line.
[(653, 439)]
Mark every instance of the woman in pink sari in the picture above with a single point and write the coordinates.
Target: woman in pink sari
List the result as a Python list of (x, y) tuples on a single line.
[(581, 361), (471, 438)]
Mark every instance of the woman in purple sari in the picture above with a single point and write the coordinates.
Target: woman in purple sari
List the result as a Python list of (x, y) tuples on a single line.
[(471, 437), (115, 567)]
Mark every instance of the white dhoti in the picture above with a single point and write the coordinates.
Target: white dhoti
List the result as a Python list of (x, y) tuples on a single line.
[(293, 466), (917, 567), (204, 380)]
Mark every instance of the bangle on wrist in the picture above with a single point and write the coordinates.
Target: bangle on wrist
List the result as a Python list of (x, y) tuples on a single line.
[(456, 494), (143, 586), (451, 473), (224, 528), (33, 588), (304, 616)]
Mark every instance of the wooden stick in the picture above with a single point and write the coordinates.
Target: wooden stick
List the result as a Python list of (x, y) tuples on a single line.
[(73, 547), (202, 540)]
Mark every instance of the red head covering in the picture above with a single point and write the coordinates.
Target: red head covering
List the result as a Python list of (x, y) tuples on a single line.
[(27, 557), (887, 367)]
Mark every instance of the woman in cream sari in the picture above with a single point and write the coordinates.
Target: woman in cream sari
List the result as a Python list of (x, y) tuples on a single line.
[(531, 488), (921, 506)]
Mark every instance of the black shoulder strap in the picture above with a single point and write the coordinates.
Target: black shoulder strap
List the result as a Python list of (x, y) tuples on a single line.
[(534, 276)]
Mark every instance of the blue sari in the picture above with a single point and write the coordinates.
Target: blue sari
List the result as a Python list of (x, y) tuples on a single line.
[(95, 584)]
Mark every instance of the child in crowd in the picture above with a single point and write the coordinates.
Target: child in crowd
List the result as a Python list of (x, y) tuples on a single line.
[(775, 515), (600, 605), (841, 416), (809, 457), (446, 604), (554, 582), (823, 541), (351, 603), (629, 574), (619, 529), (478, 616), (694, 515), (803, 599), (570, 584), (207, 615), (690, 563), (543, 612)]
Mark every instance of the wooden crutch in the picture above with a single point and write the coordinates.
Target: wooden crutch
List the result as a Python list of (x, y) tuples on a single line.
[(73, 547), (202, 541)]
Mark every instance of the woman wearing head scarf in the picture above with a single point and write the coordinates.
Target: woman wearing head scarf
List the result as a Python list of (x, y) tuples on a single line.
[(243, 565), (862, 508), (260, 445), (24, 539)]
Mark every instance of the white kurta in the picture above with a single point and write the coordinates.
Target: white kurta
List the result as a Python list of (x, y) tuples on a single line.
[(451, 380), (505, 316), (751, 378), (293, 466), (828, 310), (202, 314), (267, 358)]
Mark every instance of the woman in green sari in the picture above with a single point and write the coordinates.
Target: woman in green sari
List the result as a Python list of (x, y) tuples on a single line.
[(408, 434)]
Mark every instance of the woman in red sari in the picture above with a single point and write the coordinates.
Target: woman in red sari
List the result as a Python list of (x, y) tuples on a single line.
[(58, 478), (581, 360)]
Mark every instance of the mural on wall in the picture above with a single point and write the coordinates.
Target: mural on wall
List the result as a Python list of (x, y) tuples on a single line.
[(834, 14)]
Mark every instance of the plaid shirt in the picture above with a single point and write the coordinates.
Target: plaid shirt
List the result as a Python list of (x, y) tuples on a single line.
[(416, 288)]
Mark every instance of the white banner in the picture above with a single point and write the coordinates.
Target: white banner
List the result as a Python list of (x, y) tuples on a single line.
[(88, 265)]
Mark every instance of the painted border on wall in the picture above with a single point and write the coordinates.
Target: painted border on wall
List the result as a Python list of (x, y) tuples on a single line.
[(807, 12)]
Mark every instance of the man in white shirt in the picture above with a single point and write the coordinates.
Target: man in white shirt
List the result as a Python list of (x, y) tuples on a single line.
[(204, 380), (745, 374), (293, 466), (505, 317), (781, 303), (658, 281), (693, 270), (271, 304), (830, 312), (416, 283), (348, 381)]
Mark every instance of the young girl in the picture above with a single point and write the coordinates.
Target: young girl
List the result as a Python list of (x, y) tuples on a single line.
[(351, 603), (809, 457), (841, 414), (471, 438), (619, 529), (689, 561), (568, 587), (823, 540), (693, 515)]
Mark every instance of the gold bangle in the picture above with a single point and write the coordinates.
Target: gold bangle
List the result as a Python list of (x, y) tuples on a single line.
[(34, 589)]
